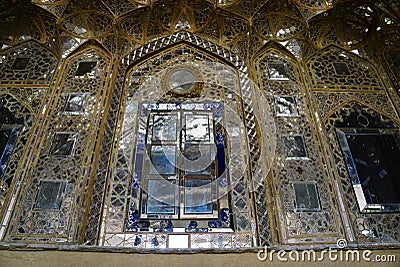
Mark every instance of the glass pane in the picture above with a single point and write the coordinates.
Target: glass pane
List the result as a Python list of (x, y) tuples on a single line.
[(162, 159), (376, 158), (197, 128), (49, 196), (161, 197), (198, 159), (277, 71), (164, 127), (286, 106), (8, 138), (198, 196), (294, 146), (63, 144), (75, 103), (306, 197), (86, 68)]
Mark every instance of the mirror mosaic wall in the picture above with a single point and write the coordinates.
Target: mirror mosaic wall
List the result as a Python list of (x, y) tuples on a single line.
[(199, 125)]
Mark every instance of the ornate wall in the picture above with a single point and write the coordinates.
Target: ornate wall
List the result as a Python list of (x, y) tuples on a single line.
[(282, 78)]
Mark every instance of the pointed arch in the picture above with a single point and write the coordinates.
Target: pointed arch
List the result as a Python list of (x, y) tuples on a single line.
[(38, 63), (88, 45), (273, 46), (120, 85), (359, 104), (333, 68)]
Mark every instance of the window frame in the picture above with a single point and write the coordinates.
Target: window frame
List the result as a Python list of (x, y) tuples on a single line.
[(348, 157), (179, 178)]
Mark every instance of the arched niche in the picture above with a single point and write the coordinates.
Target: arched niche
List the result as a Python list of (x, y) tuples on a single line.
[(130, 76)]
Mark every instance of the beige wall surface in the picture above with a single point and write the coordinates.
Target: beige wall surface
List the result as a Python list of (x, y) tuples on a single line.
[(99, 259)]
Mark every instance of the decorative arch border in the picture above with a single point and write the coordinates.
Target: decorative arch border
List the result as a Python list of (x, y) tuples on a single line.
[(352, 102), (114, 112), (271, 46), (45, 118), (27, 48), (87, 47)]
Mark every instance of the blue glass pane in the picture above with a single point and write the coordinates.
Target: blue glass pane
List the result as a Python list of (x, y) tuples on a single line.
[(8, 138), (221, 159), (198, 159), (162, 159), (161, 197), (198, 198)]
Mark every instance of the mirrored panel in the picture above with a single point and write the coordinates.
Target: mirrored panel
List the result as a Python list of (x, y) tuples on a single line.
[(86, 68), (50, 195), (294, 147), (286, 106), (372, 157), (162, 159), (63, 144), (161, 197), (75, 104), (198, 196), (164, 127), (277, 71), (20, 63), (197, 127), (306, 196), (8, 138)]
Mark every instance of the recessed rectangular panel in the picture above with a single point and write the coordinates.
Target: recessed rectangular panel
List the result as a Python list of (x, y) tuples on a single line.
[(286, 106), (198, 196), (161, 197), (162, 159), (277, 71), (164, 127), (306, 197), (198, 159), (178, 241), (20, 63), (75, 103), (50, 195), (63, 144), (197, 127), (294, 146)]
